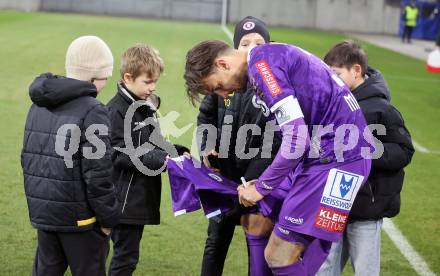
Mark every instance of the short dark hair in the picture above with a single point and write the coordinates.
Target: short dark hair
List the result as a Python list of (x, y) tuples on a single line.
[(346, 54), (199, 64)]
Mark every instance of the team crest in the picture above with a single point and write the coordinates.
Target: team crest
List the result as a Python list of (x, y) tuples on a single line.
[(215, 177)]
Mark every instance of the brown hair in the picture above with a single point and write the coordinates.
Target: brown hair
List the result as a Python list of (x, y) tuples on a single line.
[(346, 54), (140, 59), (200, 64)]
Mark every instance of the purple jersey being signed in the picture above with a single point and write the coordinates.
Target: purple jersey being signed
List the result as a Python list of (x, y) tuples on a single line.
[(192, 182), (306, 98)]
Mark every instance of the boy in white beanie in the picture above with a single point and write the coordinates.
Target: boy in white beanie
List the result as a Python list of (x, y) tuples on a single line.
[(67, 164)]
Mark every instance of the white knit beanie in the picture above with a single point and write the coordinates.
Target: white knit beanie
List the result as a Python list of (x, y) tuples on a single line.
[(88, 57)]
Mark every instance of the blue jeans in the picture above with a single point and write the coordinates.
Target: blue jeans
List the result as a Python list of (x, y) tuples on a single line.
[(361, 243)]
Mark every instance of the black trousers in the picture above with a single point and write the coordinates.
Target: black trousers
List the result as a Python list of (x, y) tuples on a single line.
[(407, 33), (220, 233), (84, 252), (126, 241)]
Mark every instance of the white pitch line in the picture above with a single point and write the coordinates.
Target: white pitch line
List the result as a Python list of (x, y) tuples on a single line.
[(228, 32), (223, 20), (399, 240), (419, 147)]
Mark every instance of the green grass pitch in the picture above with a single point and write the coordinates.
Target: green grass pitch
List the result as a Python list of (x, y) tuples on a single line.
[(32, 43)]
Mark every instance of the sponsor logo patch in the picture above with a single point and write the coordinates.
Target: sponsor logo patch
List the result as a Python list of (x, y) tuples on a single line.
[(298, 221), (265, 186), (341, 189), (284, 231), (268, 78), (330, 220)]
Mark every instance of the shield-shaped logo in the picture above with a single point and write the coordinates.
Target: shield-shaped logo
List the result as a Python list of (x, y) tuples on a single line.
[(345, 185)]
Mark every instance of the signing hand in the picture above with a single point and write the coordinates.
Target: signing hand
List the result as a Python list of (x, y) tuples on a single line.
[(249, 196)]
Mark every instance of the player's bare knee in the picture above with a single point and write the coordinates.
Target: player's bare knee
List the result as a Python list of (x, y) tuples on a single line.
[(268, 255), (271, 253), (296, 253), (275, 257), (279, 253), (256, 224)]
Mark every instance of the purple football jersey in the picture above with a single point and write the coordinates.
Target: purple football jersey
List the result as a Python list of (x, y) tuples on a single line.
[(303, 93), (193, 183), (183, 193)]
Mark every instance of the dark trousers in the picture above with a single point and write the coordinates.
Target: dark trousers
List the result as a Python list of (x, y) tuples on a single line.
[(407, 33), (84, 252), (220, 232), (126, 241)]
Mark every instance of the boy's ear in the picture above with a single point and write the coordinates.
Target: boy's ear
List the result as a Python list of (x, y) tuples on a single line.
[(357, 69), (127, 77)]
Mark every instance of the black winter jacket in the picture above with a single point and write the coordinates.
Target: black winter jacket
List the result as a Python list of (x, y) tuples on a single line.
[(244, 108), (65, 195), (380, 195), (138, 191)]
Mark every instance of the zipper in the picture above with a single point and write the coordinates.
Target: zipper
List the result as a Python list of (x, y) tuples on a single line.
[(131, 178), (126, 194), (371, 190)]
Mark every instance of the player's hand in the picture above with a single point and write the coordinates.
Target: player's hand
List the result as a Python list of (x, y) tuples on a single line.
[(106, 231), (247, 184), (240, 200), (249, 196), (206, 161)]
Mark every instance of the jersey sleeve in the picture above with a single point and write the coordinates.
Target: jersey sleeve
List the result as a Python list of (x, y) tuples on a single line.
[(269, 73)]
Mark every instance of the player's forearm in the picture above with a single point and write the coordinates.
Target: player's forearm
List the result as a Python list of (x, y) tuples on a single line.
[(295, 142)]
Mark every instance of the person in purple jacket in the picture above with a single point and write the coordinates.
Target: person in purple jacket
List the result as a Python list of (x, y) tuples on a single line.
[(327, 168)]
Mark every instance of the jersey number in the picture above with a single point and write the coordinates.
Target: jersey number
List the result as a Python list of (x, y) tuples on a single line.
[(351, 101)]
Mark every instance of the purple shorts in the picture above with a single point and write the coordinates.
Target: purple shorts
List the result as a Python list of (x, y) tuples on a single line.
[(320, 200)]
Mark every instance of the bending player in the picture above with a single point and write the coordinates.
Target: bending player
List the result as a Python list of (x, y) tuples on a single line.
[(243, 109), (302, 92)]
